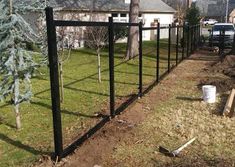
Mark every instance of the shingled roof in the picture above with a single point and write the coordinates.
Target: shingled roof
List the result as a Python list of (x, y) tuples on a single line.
[(146, 6)]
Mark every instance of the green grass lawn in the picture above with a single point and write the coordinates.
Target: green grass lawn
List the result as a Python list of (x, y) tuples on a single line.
[(84, 96)]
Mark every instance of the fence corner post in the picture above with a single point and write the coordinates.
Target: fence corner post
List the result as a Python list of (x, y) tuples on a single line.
[(54, 81)]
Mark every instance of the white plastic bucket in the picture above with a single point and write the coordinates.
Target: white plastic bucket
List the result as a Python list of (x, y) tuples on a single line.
[(209, 93)]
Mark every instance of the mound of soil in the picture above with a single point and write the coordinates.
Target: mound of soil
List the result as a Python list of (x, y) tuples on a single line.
[(227, 66), (222, 85)]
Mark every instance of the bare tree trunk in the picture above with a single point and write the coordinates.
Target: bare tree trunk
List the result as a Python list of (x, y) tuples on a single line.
[(16, 92), (18, 122), (188, 4), (16, 103), (132, 43), (61, 82), (10, 7), (99, 65)]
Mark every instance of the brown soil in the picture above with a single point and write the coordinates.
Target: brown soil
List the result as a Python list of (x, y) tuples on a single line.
[(226, 66), (98, 150), (222, 85)]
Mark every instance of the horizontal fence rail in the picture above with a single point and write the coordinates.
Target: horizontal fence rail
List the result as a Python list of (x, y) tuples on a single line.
[(149, 28), (66, 23), (61, 23), (188, 41)]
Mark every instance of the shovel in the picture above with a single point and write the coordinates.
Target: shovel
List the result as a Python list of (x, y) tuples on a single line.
[(176, 152)]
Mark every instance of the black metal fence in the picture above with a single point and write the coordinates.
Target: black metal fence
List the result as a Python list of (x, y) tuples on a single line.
[(185, 44)]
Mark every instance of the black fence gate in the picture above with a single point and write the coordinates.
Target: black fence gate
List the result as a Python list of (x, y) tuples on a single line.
[(189, 42)]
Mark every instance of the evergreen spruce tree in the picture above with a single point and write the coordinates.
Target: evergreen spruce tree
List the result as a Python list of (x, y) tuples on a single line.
[(193, 15), (16, 63)]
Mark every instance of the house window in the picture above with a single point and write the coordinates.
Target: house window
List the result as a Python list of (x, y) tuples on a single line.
[(123, 20), (123, 15), (114, 15), (156, 20)]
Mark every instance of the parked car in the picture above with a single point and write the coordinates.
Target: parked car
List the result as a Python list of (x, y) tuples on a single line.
[(210, 22), (217, 29)]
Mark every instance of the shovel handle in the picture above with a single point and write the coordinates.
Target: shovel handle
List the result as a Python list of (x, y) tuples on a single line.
[(176, 152)]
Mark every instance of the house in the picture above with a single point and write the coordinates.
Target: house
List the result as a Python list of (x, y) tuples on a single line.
[(175, 3), (215, 9), (151, 12), (232, 17)]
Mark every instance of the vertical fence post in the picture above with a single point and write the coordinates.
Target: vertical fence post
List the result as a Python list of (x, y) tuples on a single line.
[(212, 37), (233, 48), (169, 49), (183, 42), (200, 30), (188, 34), (223, 39), (221, 42), (140, 59), (198, 37), (199, 34), (191, 40), (54, 80), (111, 67), (195, 37), (158, 51), (177, 44), (196, 27)]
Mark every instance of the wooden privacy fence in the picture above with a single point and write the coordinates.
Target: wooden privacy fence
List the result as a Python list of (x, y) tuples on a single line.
[(189, 42)]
